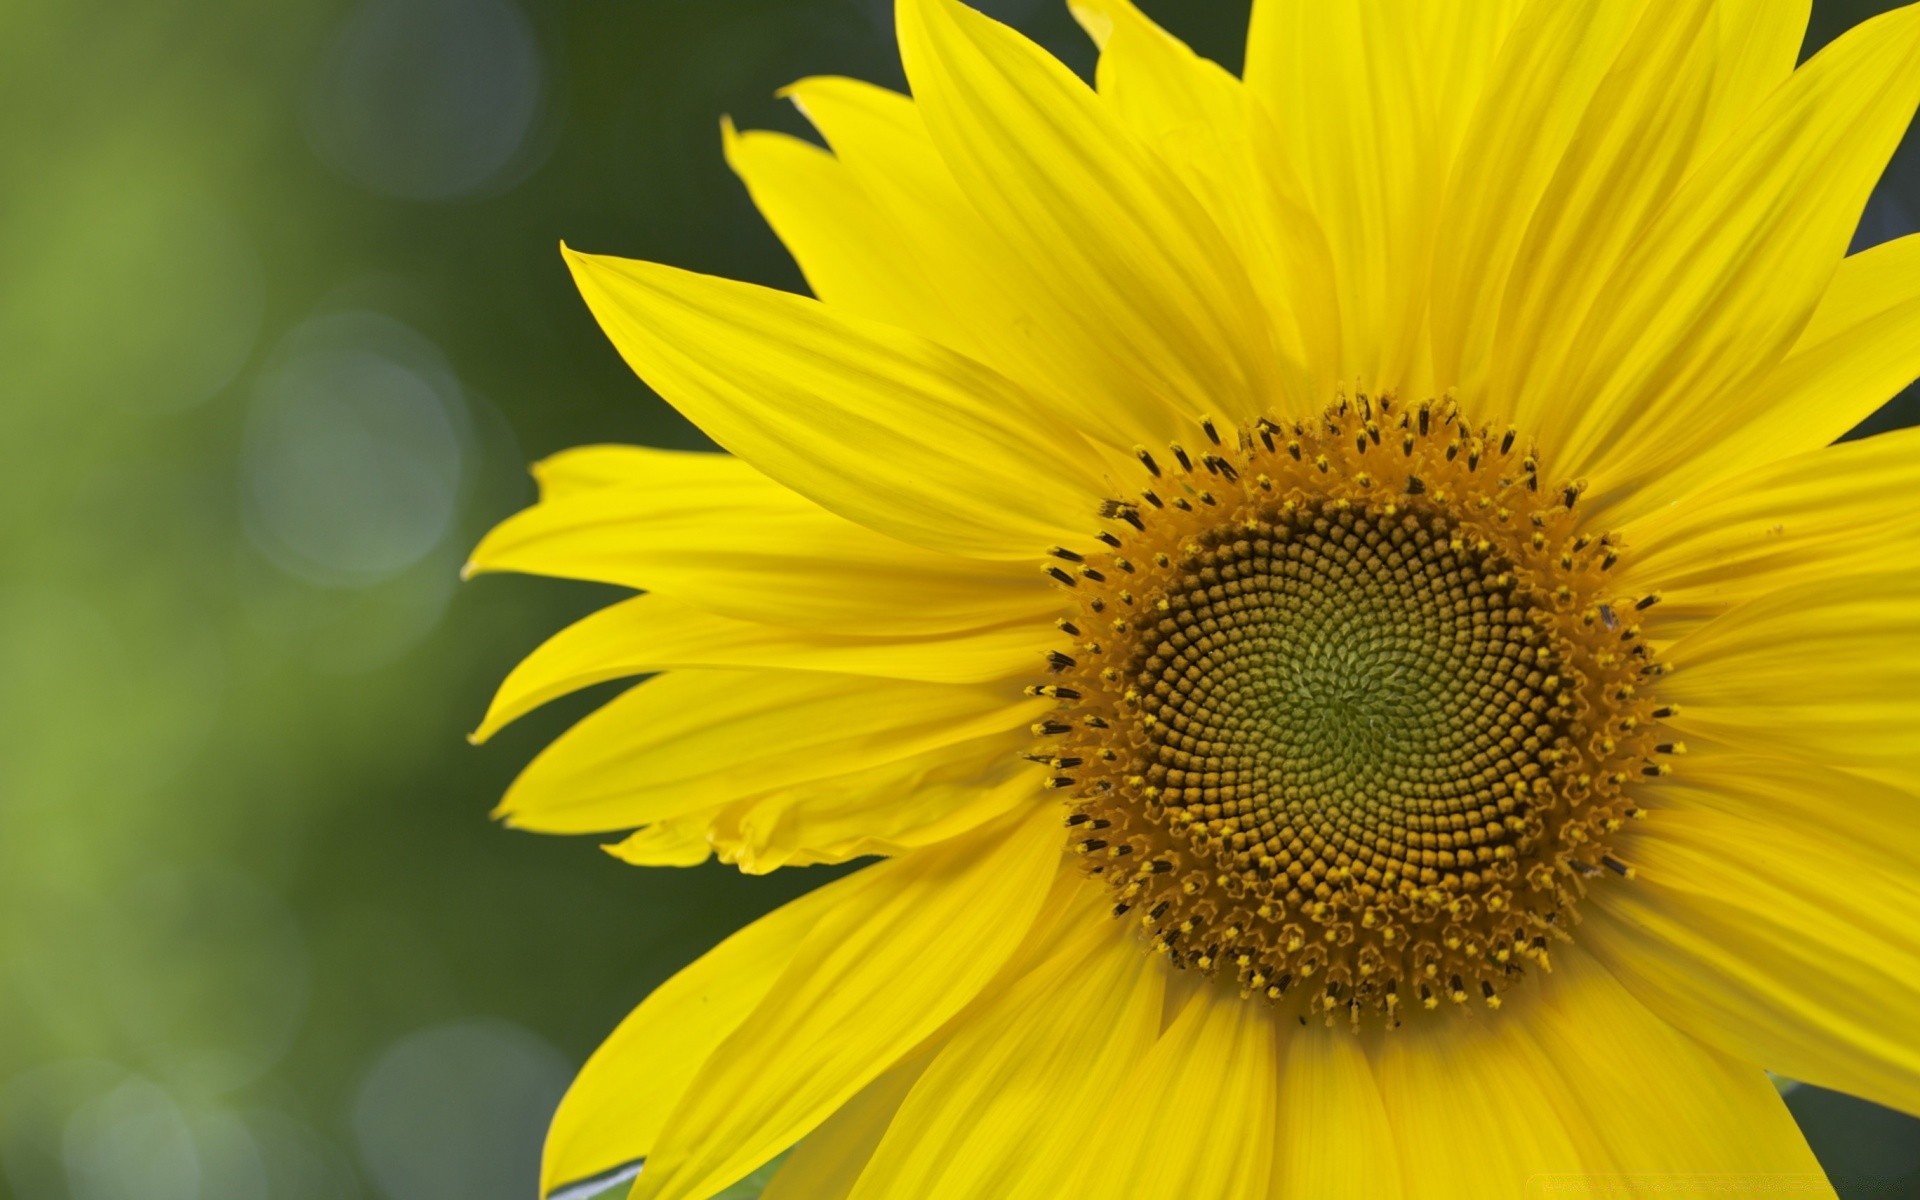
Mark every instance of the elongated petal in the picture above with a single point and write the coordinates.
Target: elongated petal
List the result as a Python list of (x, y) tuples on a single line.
[(1475, 1107), (1692, 1111), (1783, 950), (828, 1163), (1814, 800), (835, 233), (1109, 243), (1199, 120), (1859, 350), (650, 633), (1633, 146), (681, 842), (1334, 1141), (1196, 1110), (1004, 1100), (862, 991), (616, 1106), (1725, 280), (1822, 670), (1345, 82), (1837, 511), (888, 809), (1759, 44), (711, 530), (693, 740), (876, 424), (1541, 87)]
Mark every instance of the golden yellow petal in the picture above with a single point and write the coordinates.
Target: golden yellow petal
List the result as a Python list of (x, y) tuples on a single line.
[(1334, 1141), (828, 1162), (693, 740), (711, 530), (681, 842), (1004, 1109), (835, 233), (1861, 347), (1633, 146), (862, 991), (886, 810), (615, 1107), (650, 633), (1657, 1103), (1541, 87), (1186, 1118), (1198, 118), (876, 424), (1791, 953), (1865, 817), (1476, 1106), (1760, 42), (1822, 670), (1723, 282), (1842, 510), (1347, 85), (1113, 249)]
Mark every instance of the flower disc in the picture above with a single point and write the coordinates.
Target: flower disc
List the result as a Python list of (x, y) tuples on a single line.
[(1348, 705)]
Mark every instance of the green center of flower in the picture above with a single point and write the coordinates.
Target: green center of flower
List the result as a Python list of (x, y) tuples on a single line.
[(1346, 705)]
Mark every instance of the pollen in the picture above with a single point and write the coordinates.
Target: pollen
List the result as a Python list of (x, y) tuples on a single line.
[(1349, 709)]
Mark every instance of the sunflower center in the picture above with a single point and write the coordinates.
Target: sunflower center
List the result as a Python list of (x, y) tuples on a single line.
[(1349, 709)]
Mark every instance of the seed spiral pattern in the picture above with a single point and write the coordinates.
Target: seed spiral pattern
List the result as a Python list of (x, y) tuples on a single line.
[(1349, 710)]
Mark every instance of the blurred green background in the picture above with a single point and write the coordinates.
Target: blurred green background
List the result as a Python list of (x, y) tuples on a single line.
[(281, 322)]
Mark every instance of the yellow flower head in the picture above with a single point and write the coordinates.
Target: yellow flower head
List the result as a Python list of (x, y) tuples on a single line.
[(1331, 596)]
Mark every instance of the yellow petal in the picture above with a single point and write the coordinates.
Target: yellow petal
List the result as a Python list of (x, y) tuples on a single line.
[(1841, 510), (1871, 819), (1475, 1105), (1333, 1141), (615, 1107), (1726, 278), (1691, 1113), (1197, 117), (834, 232), (876, 424), (1820, 671), (1195, 1113), (827, 1164), (1860, 349), (653, 633), (681, 842), (1633, 146), (1541, 87), (711, 530), (581, 469), (862, 991), (1759, 44), (885, 810), (1788, 952), (1006, 1104), (694, 740), (1346, 83), (1108, 244)]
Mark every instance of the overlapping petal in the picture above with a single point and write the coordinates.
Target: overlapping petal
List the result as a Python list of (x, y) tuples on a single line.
[(1821, 670), (618, 1102), (689, 741), (885, 428), (1107, 242), (711, 530), (1792, 953), (861, 992), (653, 633), (1725, 278)]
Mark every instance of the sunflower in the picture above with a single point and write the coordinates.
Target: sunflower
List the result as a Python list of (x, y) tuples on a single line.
[(1331, 599)]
